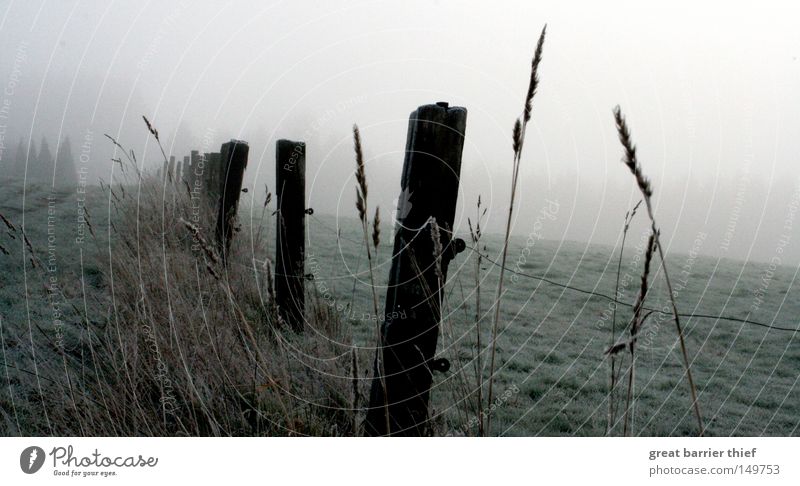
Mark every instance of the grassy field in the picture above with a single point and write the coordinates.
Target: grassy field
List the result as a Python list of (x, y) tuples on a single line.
[(135, 331), (551, 364)]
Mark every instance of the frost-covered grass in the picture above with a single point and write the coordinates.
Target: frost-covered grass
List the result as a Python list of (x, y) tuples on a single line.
[(221, 369)]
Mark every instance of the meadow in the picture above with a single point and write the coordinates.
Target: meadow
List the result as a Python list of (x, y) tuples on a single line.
[(136, 330)]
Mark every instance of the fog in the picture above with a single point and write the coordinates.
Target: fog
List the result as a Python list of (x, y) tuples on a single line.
[(710, 91)]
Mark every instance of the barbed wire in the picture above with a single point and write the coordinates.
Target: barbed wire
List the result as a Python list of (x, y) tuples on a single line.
[(628, 304), (690, 315)]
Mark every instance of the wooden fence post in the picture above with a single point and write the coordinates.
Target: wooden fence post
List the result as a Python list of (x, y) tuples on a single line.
[(410, 328), (194, 161), (179, 173), (212, 175), (234, 162), (186, 163), (290, 177), (203, 176)]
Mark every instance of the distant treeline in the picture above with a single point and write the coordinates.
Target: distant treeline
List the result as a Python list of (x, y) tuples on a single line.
[(40, 164)]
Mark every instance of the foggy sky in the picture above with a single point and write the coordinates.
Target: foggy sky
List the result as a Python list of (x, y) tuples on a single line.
[(711, 94)]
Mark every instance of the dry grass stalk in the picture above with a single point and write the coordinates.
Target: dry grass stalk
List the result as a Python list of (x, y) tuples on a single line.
[(88, 220), (129, 155), (629, 215), (270, 283), (635, 324), (361, 207), (534, 82), (261, 233), (647, 191), (195, 231), (8, 223), (475, 235), (34, 259), (361, 177), (517, 143), (376, 229), (356, 394), (154, 132)]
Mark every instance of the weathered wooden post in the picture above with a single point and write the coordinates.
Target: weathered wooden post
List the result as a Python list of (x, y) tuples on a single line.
[(203, 176), (410, 328), (194, 162), (212, 175), (179, 173), (290, 177), (186, 163), (234, 162), (216, 174)]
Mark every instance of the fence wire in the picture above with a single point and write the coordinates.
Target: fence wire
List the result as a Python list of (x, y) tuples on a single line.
[(607, 297)]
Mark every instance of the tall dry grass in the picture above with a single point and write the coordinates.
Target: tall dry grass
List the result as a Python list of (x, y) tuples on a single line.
[(635, 325), (518, 140), (362, 190), (475, 234), (189, 347), (629, 215), (646, 189)]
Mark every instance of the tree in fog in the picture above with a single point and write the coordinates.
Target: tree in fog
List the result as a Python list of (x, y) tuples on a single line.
[(23, 162), (65, 165), (42, 169), (18, 170)]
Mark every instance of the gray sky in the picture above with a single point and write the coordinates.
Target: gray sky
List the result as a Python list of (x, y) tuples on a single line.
[(711, 94)]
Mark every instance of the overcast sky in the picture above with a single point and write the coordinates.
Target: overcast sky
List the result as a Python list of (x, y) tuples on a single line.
[(711, 93)]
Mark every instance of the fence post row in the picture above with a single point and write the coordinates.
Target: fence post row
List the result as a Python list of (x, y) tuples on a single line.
[(290, 177), (233, 157), (410, 329)]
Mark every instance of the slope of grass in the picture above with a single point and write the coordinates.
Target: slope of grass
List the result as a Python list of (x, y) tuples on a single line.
[(140, 330)]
